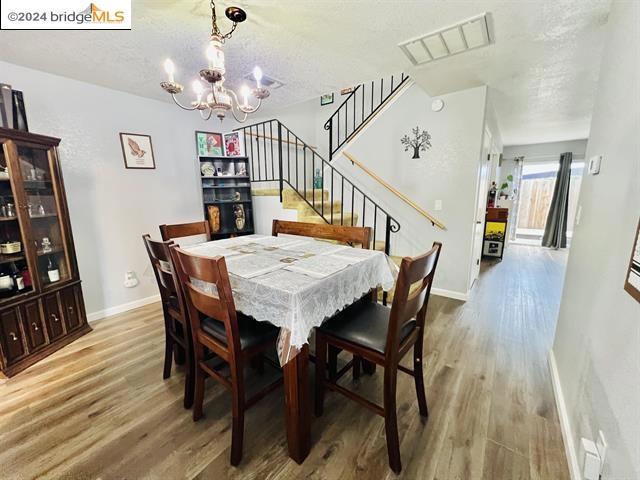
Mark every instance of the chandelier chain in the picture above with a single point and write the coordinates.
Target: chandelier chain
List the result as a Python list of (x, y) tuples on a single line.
[(214, 25)]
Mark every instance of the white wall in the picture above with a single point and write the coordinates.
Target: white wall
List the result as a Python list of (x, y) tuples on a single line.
[(597, 344), (110, 206), (447, 172)]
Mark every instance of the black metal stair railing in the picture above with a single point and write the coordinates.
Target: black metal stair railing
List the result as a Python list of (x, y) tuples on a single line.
[(276, 154), (362, 103)]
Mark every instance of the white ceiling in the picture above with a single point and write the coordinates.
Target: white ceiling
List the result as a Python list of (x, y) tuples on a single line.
[(542, 68)]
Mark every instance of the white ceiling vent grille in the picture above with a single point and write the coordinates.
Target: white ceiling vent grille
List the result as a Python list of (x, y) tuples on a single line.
[(266, 81), (462, 37)]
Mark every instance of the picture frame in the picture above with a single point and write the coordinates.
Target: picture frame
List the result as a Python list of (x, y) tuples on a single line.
[(632, 280), (137, 151), (209, 144), (326, 99), (233, 145)]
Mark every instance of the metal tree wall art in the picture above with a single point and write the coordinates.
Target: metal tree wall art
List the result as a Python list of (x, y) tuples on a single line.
[(420, 142)]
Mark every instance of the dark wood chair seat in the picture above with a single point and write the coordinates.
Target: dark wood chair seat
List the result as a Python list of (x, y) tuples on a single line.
[(365, 324), (250, 332)]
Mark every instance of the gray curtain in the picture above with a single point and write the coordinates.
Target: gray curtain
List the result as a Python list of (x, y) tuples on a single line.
[(555, 231)]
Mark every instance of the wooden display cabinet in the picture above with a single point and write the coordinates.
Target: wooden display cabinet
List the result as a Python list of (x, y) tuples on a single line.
[(41, 303)]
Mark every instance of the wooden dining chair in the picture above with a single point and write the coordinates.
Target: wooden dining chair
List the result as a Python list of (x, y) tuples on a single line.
[(383, 335), (218, 327), (179, 230), (176, 325), (339, 233)]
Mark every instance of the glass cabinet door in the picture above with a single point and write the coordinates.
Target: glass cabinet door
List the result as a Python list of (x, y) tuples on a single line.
[(41, 209), (15, 268)]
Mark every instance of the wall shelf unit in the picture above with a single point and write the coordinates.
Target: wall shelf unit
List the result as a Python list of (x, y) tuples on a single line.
[(226, 195)]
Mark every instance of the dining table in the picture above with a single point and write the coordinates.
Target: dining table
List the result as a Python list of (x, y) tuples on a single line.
[(296, 283)]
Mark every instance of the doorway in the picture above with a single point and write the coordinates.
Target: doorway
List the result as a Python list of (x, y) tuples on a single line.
[(536, 191)]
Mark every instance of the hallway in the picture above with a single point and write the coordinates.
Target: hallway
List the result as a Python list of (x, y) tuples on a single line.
[(98, 407)]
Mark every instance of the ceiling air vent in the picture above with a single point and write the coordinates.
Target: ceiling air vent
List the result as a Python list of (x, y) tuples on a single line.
[(462, 37), (266, 81)]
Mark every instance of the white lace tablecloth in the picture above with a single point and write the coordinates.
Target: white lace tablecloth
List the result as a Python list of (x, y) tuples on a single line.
[(296, 283)]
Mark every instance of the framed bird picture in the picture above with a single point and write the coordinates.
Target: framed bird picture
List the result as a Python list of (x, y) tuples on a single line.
[(137, 151)]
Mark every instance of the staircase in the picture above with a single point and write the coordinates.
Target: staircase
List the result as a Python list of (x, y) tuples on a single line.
[(359, 108), (278, 156)]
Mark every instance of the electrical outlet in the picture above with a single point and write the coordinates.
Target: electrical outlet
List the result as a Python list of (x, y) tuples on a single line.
[(437, 206), (591, 460), (130, 279), (601, 445)]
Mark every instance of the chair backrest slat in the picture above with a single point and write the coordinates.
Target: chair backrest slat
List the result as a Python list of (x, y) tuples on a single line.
[(217, 305), (340, 233), (160, 256), (411, 304), (180, 230)]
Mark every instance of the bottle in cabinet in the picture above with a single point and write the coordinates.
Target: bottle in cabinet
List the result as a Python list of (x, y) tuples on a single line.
[(52, 271)]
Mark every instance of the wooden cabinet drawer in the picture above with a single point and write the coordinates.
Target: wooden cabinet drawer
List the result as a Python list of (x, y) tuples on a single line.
[(70, 308), (11, 337), (53, 317), (33, 324)]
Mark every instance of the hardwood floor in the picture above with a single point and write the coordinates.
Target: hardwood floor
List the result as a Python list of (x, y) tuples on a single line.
[(100, 409)]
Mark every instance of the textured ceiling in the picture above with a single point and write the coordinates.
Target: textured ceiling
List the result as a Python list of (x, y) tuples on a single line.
[(542, 68)]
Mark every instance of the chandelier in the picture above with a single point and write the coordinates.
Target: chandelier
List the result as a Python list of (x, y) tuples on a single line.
[(213, 97)]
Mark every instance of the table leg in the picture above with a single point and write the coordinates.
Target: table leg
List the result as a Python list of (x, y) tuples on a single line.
[(297, 406)]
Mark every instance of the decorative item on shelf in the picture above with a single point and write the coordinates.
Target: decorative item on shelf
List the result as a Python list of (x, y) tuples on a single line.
[(52, 271), (6, 106), (41, 210), (326, 99), (419, 142), (236, 196), (26, 277), (6, 282), (504, 188), (137, 151), (232, 145), (10, 210), (18, 281), (242, 170), (30, 209), (3, 210), (4, 173), (219, 172), (214, 218), (491, 196), (215, 98), (46, 245), (19, 111), (238, 212), (317, 179), (207, 169), (10, 247), (209, 144)]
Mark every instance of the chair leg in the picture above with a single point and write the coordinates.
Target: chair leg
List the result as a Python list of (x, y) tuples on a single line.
[(189, 380), (179, 353), (357, 364), (168, 352), (237, 411), (368, 367), (199, 382), (333, 362), (321, 359), (391, 420), (419, 378)]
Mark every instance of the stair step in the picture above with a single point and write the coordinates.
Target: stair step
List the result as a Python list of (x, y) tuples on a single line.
[(305, 209), (346, 219), (292, 195)]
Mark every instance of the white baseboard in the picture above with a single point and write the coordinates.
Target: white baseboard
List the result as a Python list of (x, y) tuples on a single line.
[(450, 294), (122, 308), (565, 424)]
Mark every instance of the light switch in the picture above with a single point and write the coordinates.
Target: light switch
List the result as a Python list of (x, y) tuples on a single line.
[(437, 205), (594, 165)]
